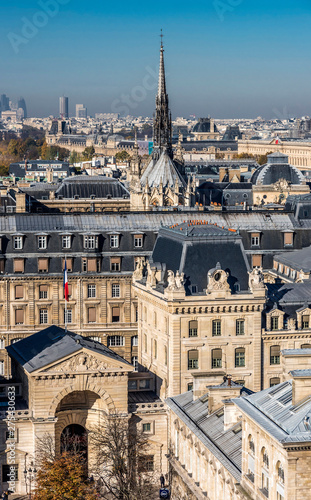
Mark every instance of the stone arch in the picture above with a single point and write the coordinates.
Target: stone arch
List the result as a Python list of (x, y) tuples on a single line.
[(75, 387)]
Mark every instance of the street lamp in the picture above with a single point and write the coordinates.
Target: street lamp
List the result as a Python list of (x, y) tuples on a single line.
[(30, 477)]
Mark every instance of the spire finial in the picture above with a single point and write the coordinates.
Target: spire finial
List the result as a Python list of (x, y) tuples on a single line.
[(161, 36)]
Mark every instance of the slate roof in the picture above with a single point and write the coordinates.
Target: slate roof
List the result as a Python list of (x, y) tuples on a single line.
[(52, 344), (273, 411), (272, 172), (162, 170), (195, 248), (85, 186), (226, 446), (290, 293), (204, 125), (298, 259)]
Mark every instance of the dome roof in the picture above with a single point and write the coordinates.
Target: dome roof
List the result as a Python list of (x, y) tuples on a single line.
[(204, 125), (276, 169)]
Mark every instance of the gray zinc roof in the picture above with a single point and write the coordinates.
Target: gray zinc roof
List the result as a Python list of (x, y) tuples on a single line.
[(164, 170)]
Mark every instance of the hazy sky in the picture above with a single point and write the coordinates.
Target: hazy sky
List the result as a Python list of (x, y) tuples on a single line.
[(224, 58)]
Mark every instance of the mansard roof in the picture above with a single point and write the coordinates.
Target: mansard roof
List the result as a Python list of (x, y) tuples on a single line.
[(52, 344), (88, 185), (298, 259), (194, 248), (204, 126), (276, 169), (164, 170)]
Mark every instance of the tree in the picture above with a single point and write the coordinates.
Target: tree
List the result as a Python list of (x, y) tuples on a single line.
[(122, 156), (121, 459), (88, 153), (262, 159), (74, 157), (243, 156)]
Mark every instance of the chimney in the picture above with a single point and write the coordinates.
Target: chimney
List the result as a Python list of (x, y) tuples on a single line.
[(301, 385), (20, 203)]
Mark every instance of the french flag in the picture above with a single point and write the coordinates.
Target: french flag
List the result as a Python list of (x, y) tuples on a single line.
[(66, 291), (277, 140)]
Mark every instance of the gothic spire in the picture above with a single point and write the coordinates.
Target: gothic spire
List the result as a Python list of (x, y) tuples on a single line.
[(162, 120)]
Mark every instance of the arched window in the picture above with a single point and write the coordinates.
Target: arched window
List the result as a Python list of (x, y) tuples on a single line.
[(155, 320), (193, 328), (275, 355), (251, 460), (265, 458), (239, 357), (155, 349), (216, 358), (280, 472), (274, 381), (193, 360), (251, 445)]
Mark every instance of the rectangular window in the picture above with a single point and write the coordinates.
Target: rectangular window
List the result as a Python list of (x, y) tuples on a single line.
[(84, 265), (91, 314), (43, 265), (43, 316), (91, 291), (19, 292), (305, 322), (18, 242), (66, 241), (69, 316), (138, 240), (135, 341), (114, 241), (90, 242), (42, 242), (146, 463), (193, 360), (1, 265), (145, 342), (68, 264), (19, 265), (115, 291), (257, 260), (116, 341), (274, 323), (216, 328), (115, 264), (115, 314), (135, 363), (255, 239), (146, 427), (275, 355), (216, 358), (19, 316), (239, 357), (288, 239), (240, 327), (193, 328), (43, 292), (92, 265)]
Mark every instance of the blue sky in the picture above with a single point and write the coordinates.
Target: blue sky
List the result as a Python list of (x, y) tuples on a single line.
[(224, 58)]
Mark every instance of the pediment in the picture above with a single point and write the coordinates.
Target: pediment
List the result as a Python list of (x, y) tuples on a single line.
[(85, 362)]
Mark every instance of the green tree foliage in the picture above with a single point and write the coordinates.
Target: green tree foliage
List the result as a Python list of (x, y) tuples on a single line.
[(88, 153), (243, 156), (75, 157), (262, 159), (122, 156)]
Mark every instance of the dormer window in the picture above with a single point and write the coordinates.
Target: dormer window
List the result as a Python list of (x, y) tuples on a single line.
[(114, 241), (138, 240), (90, 242), (18, 242), (255, 239), (66, 241), (42, 242)]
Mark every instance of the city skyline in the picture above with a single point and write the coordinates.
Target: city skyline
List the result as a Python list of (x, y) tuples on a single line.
[(236, 59)]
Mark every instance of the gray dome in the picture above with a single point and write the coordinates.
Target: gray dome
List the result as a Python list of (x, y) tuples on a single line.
[(276, 169), (204, 125)]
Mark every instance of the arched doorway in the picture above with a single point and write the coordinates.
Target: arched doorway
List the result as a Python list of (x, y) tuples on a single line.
[(73, 439)]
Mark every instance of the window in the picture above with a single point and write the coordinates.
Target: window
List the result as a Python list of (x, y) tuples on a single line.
[(281, 475), (240, 327), (91, 291), (255, 239), (190, 386), (116, 341), (43, 316), (274, 323), (68, 261), (265, 459), (43, 292), (216, 358), (193, 360), (115, 291), (275, 355), (19, 292), (135, 363), (165, 355), (257, 260), (7, 473), (43, 265), (251, 446), (66, 241), (42, 242), (146, 427), (114, 241), (155, 349), (134, 341), (18, 242), (145, 342), (239, 357), (216, 328), (84, 265), (146, 463), (19, 316), (1, 264), (90, 242), (305, 346), (138, 240), (68, 316), (305, 322), (91, 265), (19, 265), (293, 274), (1, 367), (115, 314), (274, 381), (193, 328), (288, 239), (2, 343), (136, 314), (115, 264), (91, 315), (96, 339)]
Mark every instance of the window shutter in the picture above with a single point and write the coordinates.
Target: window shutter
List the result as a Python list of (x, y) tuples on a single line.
[(288, 238), (69, 264), (43, 288), (116, 311), (138, 235), (255, 235), (19, 291), (92, 314), (275, 350), (1, 265), (91, 265), (19, 316), (43, 264), (115, 260), (19, 265), (257, 260)]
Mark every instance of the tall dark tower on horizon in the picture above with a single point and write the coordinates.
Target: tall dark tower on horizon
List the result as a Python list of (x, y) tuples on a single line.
[(162, 126)]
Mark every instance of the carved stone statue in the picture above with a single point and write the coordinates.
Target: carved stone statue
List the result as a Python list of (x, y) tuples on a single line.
[(175, 282), (139, 271), (170, 280), (256, 279), (151, 276), (291, 324), (217, 279), (179, 280), (80, 363)]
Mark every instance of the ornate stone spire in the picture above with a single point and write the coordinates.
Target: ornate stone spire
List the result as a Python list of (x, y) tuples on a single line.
[(162, 121)]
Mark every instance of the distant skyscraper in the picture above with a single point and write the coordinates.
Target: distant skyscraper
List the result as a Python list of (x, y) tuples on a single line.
[(22, 104), (63, 107), (4, 103), (81, 111)]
